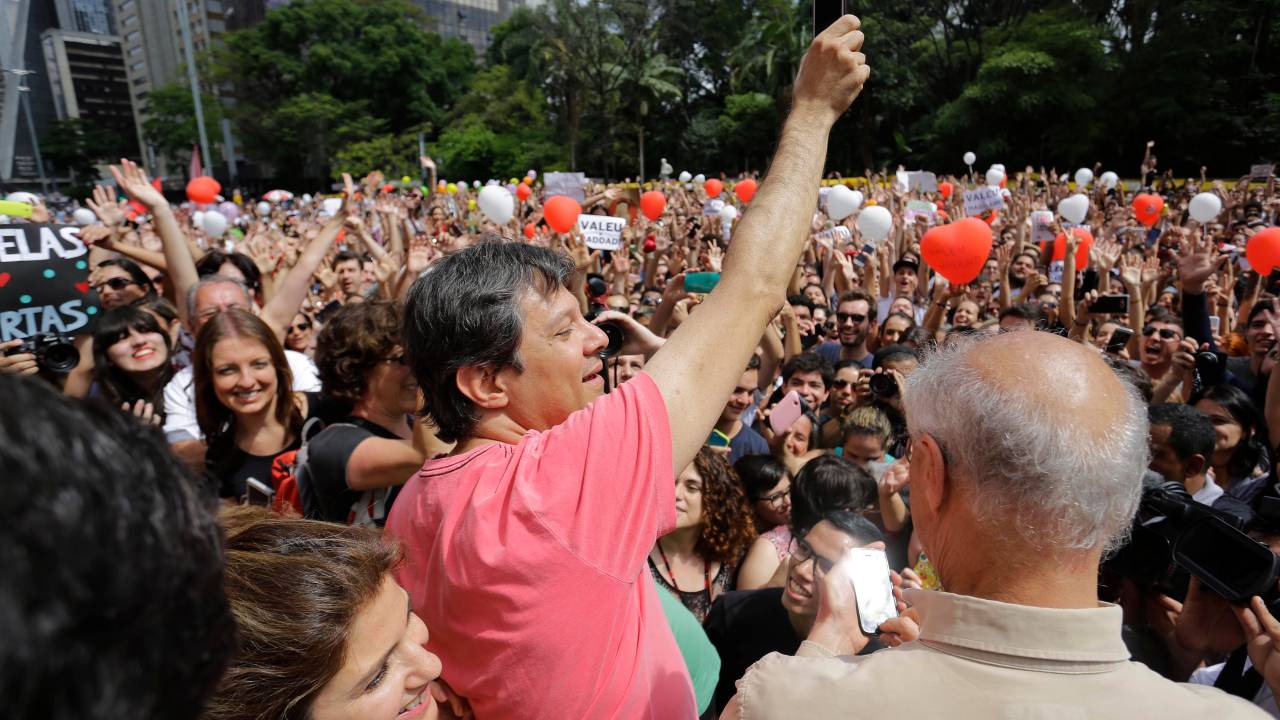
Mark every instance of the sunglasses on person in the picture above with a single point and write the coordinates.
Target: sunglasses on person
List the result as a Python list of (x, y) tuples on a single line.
[(116, 283), (846, 317), (840, 383), (300, 327), (1165, 333)]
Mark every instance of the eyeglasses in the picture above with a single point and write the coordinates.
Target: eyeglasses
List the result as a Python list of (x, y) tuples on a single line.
[(776, 499), (846, 317), (840, 384), (300, 327), (115, 283), (803, 553), (1165, 333)]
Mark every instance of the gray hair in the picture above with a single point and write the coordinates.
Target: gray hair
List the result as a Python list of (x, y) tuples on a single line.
[(214, 280), (1058, 486)]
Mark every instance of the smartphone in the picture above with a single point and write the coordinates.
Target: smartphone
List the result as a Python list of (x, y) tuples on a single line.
[(1089, 282), (1215, 323), (1119, 339), (825, 13), (717, 439), (258, 492), (1226, 560), (701, 282), (785, 413), (868, 568), (1110, 305)]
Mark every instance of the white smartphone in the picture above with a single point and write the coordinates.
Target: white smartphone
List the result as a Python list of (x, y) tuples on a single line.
[(868, 568), (1214, 323)]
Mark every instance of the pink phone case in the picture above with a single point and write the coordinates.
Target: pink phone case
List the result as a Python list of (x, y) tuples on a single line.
[(785, 413)]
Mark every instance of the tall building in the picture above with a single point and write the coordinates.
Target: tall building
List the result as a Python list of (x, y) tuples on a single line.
[(470, 20), (86, 16), (23, 96), (87, 78)]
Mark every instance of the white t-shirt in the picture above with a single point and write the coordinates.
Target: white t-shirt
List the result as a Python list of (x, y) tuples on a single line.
[(1264, 699), (180, 396)]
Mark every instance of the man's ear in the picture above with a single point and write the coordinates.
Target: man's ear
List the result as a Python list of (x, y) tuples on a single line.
[(1194, 465), (483, 386), (929, 471)]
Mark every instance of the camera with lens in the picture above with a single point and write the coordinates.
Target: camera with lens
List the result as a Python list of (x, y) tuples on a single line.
[(883, 385), (1211, 368), (1174, 537), (611, 329), (55, 353)]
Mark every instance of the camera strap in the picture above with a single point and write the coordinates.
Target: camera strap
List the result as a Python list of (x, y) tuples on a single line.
[(1234, 679)]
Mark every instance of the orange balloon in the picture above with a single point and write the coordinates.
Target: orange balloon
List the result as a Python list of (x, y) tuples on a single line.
[(1147, 207), (944, 189), (529, 230), (959, 250), (1082, 250), (713, 187), (1263, 251), (561, 213), (523, 192), (745, 190), (653, 203), (527, 180), (203, 190)]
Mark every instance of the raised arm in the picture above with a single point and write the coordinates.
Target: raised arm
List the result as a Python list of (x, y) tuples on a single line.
[(179, 266), (699, 365), (280, 310)]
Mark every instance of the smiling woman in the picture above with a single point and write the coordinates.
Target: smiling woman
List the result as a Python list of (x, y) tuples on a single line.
[(325, 631)]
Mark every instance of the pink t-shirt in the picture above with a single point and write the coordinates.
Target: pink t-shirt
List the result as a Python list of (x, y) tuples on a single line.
[(527, 563)]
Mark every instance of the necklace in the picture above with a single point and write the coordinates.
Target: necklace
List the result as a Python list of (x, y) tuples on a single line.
[(706, 571)]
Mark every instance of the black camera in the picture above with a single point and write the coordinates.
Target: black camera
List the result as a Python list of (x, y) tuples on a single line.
[(611, 329), (1211, 368), (1173, 536), (55, 353), (883, 385)]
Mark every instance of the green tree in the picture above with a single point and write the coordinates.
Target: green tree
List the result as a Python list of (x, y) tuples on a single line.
[(171, 122), (317, 76), (76, 146), (499, 129)]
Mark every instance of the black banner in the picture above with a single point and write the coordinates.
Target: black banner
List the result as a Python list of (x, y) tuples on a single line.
[(44, 281)]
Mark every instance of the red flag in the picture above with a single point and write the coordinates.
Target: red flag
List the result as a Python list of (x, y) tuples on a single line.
[(195, 170)]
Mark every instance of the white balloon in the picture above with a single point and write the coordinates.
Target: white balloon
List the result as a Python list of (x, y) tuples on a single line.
[(306, 197), (699, 178), (842, 202), (970, 158), (84, 216), (728, 213), (215, 224), (532, 174), (22, 197), (264, 208), (197, 219), (1074, 209), (1205, 207), (994, 176), (998, 166), (496, 203), (685, 176), (1109, 180), (476, 184), (1084, 176), (874, 223), (331, 206)]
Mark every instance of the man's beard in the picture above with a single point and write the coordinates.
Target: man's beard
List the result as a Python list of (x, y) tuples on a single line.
[(858, 339)]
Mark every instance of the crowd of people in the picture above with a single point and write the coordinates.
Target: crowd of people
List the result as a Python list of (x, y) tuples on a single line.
[(389, 459)]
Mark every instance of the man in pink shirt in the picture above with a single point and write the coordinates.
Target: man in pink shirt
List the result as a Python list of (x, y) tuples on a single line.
[(525, 548)]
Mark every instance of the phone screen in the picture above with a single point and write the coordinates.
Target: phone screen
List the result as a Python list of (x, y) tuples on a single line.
[(869, 570), (826, 12), (1110, 304), (1119, 339), (785, 413)]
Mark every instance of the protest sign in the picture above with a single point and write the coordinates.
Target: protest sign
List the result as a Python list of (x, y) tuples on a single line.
[(920, 181), (1042, 226), (565, 183), (1262, 171), (44, 281), (836, 234), (983, 199), (921, 208), (601, 232)]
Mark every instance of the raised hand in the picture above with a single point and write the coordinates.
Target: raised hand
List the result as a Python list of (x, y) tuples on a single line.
[(1197, 264), (833, 71), (419, 255), (1105, 254), (1130, 271), (104, 205), (133, 180), (98, 235)]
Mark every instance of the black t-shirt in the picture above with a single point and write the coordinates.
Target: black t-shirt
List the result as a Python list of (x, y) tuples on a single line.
[(325, 493), (228, 468)]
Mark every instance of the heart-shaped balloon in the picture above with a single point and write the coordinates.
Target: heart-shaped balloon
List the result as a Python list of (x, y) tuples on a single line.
[(1082, 249), (958, 251), (1084, 176), (1147, 208), (842, 202), (1075, 208)]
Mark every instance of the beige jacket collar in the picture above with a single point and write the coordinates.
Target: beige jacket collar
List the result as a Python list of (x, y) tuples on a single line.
[(1021, 636)]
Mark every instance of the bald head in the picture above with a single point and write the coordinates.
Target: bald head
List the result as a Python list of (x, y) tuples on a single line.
[(1050, 440)]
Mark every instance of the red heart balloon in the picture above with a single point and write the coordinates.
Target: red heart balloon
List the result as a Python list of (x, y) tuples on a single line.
[(944, 189), (653, 203), (713, 187), (1147, 207), (203, 190), (1082, 250), (561, 213), (745, 190), (1263, 250), (958, 251)]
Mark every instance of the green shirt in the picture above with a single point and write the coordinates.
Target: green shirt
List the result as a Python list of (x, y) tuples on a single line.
[(699, 654)]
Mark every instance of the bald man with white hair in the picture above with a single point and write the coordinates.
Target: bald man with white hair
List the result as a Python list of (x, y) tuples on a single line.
[(1026, 465)]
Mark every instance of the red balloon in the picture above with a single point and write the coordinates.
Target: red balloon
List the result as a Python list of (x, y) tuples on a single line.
[(1004, 181), (561, 213), (523, 192), (203, 190), (388, 188), (745, 190), (650, 244), (529, 230), (713, 187), (1082, 250), (1147, 207), (1263, 251), (958, 251), (944, 188), (155, 183), (652, 204)]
